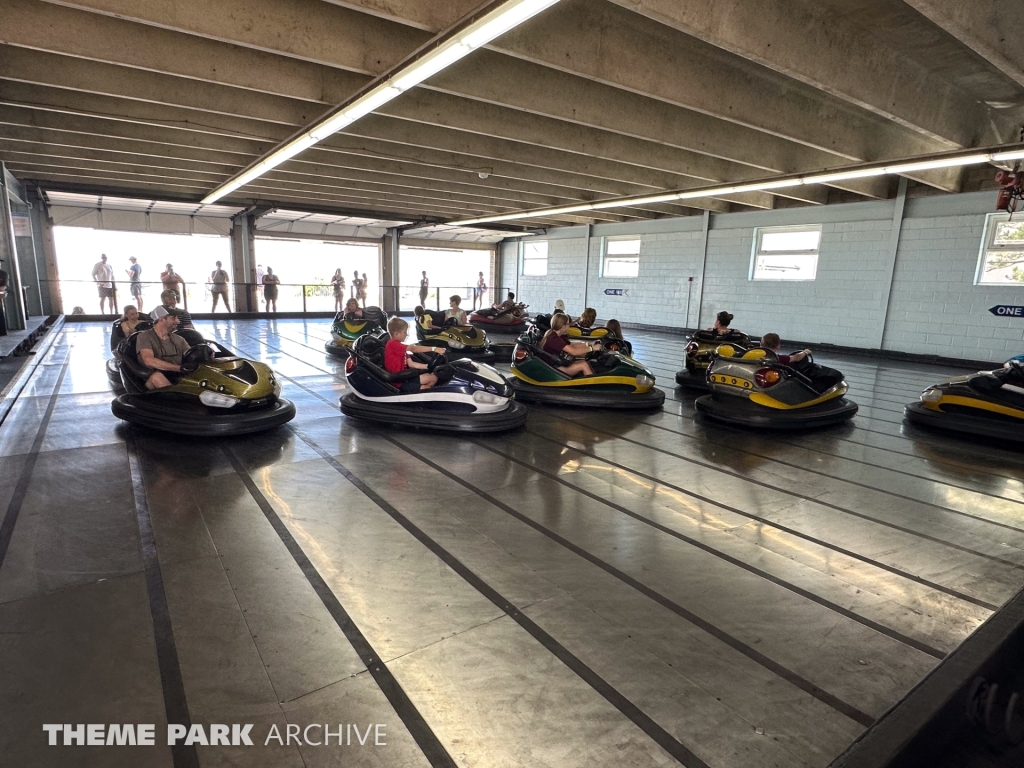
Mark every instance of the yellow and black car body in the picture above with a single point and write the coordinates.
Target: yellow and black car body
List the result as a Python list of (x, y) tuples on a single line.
[(700, 351), (618, 381), (347, 328), (218, 394), (462, 340), (987, 404), (751, 388)]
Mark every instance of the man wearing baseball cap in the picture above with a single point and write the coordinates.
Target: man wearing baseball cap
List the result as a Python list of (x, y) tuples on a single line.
[(160, 348)]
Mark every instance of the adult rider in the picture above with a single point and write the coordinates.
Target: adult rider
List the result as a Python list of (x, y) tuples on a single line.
[(554, 343), (160, 348), (721, 326)]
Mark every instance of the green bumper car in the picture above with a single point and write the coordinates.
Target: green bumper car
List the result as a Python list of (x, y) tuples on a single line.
[(618, 381), (347, 328)]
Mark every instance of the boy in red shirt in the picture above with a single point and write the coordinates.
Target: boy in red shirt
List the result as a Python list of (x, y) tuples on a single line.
[(396, 358)]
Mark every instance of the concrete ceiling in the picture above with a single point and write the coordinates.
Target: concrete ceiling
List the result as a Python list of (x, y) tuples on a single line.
[(591, 99)]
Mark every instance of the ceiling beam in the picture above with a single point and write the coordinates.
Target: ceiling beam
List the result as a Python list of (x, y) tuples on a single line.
[(236, 106), (519, 84), (804, 41), (991, 28)]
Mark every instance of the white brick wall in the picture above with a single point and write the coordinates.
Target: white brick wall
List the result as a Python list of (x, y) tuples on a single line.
[(843, 305), (662, 292), (934, 307)]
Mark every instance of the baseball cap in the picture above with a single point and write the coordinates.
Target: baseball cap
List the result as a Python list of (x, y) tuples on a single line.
[(163, 311), (560, 305)]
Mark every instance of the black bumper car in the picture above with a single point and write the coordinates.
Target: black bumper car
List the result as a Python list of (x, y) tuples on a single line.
[(217, 394), (434, 330), (751, 388), (347, 328), (987, 404), (469, 396), (700, 351), (618, 381)]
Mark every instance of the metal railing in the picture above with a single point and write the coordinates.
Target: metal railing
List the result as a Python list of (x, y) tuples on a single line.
[(292, 298), (405, 298)]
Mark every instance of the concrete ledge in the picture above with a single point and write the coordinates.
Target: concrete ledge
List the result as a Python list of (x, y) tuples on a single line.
[(12, 389), (931, 719), (19, 342)]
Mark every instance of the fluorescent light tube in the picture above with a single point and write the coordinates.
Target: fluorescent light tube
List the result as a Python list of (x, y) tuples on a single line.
[(858, 173), (930, 165), (479, 33), (506, 19), (429, 66)]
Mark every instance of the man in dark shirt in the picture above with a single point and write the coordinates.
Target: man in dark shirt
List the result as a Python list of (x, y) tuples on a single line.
[(160, 348), (170, 301)]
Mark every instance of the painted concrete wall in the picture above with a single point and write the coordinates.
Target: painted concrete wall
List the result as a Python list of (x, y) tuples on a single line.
[(933, 306)]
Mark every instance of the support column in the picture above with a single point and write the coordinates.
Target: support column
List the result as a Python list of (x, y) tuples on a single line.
[(390, 269), (242, 262), (706, 227), (894, 245), (46, 255), (586, 269), (14, 304)]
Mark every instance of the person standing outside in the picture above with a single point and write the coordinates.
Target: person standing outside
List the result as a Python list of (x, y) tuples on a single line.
[(135, 276), (363, 282), (103, 275), (355, 285), (219, 281), (338, 281), (424, 289), (172, 281), (479, 291), (270, 283)]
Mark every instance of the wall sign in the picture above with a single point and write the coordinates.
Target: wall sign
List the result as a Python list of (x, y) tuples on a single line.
[(616, 292), (22, 227), (1006, 310)]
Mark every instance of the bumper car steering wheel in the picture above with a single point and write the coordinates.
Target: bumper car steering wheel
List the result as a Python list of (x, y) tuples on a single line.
[(196, 356)]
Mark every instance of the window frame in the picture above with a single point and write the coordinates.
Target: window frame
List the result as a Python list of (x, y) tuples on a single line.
[(992, 222), (523, 259), (756, 252), (605, 257)]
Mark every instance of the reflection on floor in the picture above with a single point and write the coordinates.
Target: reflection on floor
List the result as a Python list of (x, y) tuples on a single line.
[(595, 590)]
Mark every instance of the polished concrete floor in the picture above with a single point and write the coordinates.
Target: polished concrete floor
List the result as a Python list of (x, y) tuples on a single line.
[(596, 589)]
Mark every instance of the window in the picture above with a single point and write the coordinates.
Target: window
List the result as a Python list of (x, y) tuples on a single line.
[(621, 257), (535, 258), (1002, 252), (785, 253)]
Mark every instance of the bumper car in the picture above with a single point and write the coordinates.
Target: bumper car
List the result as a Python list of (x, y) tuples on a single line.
[(469, 396), (987, 404), (216, 394), (501, 322), (606, 337), (700, 351), (192, 336), (618, 381), (345, 331), (751, 388), (435, 331)]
